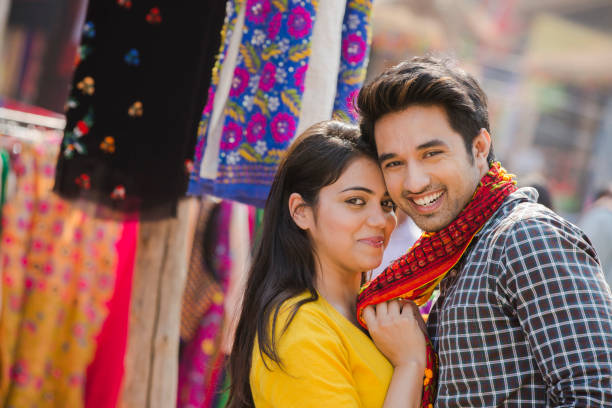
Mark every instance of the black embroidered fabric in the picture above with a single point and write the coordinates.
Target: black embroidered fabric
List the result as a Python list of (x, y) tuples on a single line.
[(139, 87)]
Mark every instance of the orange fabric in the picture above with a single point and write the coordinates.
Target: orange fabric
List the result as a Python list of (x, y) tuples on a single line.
[(416, 274), (58, 273)]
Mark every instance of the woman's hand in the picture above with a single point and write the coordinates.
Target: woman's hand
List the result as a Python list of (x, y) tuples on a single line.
[(397, 329)]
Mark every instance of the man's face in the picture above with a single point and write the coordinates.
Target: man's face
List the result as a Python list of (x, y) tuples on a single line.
[(428, 172)]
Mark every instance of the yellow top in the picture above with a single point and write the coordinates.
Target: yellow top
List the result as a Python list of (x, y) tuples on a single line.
[(326, 362)]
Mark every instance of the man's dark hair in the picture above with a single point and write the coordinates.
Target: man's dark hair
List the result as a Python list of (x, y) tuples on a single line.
[(426, 81)]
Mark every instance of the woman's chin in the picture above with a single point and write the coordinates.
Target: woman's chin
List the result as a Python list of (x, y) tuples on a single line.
[(371, 264)]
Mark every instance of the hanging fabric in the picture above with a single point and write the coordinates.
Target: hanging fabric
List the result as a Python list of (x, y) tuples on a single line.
[(142, 75), (202, 287), (273, 76), (104, 374), (4, 175), (201, 367), (59, 269), (356, 40)]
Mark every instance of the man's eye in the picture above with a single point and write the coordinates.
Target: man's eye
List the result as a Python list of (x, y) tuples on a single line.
[(392, 164), (432, 153)]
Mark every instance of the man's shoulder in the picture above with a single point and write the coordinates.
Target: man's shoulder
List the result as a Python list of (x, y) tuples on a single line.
[(529, 220)]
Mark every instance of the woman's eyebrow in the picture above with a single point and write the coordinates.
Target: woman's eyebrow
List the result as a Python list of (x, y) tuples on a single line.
[(358, 188)]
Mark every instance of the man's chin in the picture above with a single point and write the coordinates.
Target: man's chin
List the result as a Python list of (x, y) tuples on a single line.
[(433, 222), (430, 223)]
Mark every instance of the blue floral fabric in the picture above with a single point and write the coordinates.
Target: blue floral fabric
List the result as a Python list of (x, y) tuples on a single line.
[(264, 103), (356, 40)]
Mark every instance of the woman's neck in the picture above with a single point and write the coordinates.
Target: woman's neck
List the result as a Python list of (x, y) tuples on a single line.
[(340, 289)]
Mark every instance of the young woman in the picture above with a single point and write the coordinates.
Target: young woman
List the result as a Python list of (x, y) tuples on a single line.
[(327, 220)]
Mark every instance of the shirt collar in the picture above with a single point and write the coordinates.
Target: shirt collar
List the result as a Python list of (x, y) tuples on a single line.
[(524, 194)]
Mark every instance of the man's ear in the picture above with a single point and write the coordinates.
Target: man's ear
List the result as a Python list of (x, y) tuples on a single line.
[(481, 145), (300, 212)]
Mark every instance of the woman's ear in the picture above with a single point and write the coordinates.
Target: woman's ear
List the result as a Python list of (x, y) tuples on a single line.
[(300, 212)]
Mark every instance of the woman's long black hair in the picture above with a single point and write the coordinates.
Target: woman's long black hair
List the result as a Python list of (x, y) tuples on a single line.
[(284, 262)]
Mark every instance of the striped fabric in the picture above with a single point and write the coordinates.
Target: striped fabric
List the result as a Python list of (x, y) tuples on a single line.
[(201, 287), (525, 320)]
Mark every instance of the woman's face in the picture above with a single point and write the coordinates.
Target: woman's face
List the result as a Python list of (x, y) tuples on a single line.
[(353, 219)]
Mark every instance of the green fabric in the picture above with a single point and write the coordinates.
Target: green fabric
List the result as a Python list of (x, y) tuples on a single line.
[(223, 396), (5, 172), (259, 214)]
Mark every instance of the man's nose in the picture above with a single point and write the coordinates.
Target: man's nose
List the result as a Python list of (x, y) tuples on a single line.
[(416, 179)]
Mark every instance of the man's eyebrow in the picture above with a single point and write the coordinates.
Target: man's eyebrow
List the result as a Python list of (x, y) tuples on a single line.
[(431, 143), (386, 156), (358, 188)]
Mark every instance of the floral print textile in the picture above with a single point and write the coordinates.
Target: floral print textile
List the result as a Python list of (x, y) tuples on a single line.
[(58, 273), (356, 40), (264, 104), (201, 361)]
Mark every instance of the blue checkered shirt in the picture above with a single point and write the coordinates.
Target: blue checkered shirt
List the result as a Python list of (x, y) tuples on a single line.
[(525, 319)]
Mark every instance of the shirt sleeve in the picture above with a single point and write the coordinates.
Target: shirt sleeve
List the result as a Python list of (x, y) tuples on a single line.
[(315, 369), (556, 287)]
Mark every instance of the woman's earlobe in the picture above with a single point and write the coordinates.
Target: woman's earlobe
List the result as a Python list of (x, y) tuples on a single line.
[(298, 210)]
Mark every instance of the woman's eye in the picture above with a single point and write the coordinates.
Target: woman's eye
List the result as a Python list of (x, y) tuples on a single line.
[(389, 205), (356, 201)]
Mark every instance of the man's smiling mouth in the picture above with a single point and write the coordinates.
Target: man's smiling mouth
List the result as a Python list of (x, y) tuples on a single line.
[(428, 199)]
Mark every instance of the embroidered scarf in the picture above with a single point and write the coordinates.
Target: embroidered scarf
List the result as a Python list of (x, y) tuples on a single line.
[(416, 274)]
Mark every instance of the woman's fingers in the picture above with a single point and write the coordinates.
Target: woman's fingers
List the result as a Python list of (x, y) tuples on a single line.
[(369, 316), (393, 308), (395, 331), (411, 307), (381, 310), (387, 312), (408, 306)]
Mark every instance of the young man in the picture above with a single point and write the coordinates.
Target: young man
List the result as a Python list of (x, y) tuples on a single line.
[(524, 317)]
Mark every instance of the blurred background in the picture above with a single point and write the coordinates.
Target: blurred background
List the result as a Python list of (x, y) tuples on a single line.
[(546, 66)]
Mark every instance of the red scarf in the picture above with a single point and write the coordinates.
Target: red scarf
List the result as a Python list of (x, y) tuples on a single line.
[(416, 274)]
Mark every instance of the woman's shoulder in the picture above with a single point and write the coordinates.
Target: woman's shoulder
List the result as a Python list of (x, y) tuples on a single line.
[(305, 331), (310, 314)]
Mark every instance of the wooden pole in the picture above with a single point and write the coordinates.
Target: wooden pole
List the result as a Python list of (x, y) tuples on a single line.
[(5, 6), (151, 363)]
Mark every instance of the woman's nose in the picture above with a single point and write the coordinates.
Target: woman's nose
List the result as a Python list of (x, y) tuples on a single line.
[(377, 217)]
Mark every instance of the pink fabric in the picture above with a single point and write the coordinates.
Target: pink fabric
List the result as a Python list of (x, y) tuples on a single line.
[(201, 363), (252, 221), (105, 373)]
